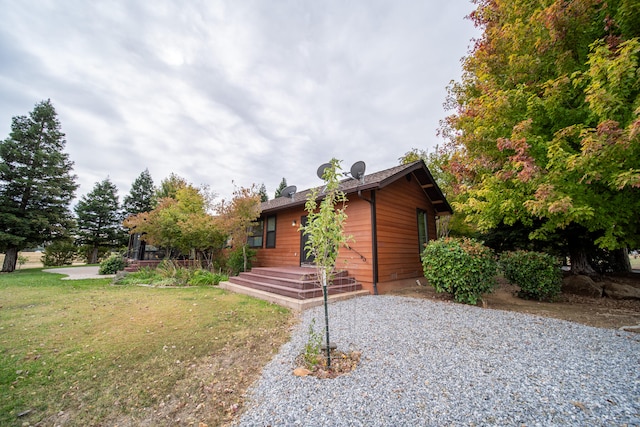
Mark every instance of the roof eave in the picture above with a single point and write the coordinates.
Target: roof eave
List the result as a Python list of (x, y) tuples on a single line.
[(440, 203)]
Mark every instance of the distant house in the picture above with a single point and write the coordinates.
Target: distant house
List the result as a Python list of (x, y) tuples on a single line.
[(391, 215)]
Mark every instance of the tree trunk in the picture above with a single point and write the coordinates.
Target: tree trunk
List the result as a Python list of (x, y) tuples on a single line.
[(244, 257), (10, 260), (622, 260), (443, 227), (93, 259), (579, 262), (205, 259)]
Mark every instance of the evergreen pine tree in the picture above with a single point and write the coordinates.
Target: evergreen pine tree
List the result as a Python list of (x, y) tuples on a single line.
[(282, 186), (140, 198), (262, 191), (36, 183), (99, 219)]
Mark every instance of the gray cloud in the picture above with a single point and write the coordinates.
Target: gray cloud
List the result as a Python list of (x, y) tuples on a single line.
[(244, 91)]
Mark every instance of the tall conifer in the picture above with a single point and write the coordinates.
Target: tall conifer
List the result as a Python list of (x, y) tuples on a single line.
[(36, 183), (141, 197), (99, 219)]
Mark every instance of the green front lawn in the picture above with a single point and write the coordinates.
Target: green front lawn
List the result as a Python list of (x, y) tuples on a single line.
[(86, 352)]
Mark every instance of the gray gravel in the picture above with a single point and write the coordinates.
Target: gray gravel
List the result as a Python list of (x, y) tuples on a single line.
[(435, 363)]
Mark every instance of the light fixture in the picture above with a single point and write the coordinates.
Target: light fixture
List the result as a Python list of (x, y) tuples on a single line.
[(293, 223)]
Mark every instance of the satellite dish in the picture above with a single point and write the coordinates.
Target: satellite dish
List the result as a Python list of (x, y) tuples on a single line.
[(289, 191), (357, 170), (322, 168)]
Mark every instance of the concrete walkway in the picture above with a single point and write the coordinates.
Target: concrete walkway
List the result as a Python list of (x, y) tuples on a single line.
[(78, 273)]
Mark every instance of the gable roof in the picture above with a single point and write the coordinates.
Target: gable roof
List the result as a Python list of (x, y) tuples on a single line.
[(374, 181)]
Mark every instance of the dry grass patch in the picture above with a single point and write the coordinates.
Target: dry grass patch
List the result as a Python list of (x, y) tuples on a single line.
[(89, 353), (32, 260)]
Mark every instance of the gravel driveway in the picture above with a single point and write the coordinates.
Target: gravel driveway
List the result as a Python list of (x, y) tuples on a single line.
[(427, 363)]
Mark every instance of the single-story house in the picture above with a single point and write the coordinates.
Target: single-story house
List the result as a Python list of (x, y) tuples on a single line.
[(391, 214)]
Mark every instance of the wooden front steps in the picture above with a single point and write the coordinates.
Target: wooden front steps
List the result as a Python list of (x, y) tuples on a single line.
[(294, 282)]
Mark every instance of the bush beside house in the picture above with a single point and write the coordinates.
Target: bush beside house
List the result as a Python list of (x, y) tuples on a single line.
[(537, 274), (464, 268)]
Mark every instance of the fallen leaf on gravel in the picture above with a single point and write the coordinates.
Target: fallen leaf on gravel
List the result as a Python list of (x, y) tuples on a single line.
[(301, 372), (579, 405)]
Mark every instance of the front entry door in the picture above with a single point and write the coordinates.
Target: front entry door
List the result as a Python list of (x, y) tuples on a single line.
[(304, 259)]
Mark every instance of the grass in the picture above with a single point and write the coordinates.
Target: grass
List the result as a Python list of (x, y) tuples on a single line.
[(33, 260), (88, 353)]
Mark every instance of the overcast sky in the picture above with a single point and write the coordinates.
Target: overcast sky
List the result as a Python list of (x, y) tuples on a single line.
[(238, 90)]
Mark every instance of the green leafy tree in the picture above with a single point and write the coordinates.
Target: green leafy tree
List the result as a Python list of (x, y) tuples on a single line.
[(282, 186), (99, 218), (170, 186), (203, 234), (239, 216), (141, 197), (159, 226), (181, 224), (437, 161), (545, 130), (199, 231), (36, 183), (325, 231)]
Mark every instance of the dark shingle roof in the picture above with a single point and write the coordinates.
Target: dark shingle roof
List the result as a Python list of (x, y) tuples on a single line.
[(376, 180)]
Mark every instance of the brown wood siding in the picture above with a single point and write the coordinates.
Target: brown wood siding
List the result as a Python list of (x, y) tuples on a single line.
[(358, 225), (287, 250), (398, 244), (397, 233), (358, 260)]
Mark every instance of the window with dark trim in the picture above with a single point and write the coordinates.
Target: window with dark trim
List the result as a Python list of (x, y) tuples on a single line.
[(423, 230), (255, 235), (271, 232)]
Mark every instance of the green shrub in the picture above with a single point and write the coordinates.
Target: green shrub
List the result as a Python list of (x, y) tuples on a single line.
[(58, 253), (537, 274), (182, 275), (201, 278), (235, 262), (22, 260), (170, 273), (112, 265), (206, 278), (167, 269), (311, 356), (464, 268), (144, 276)]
